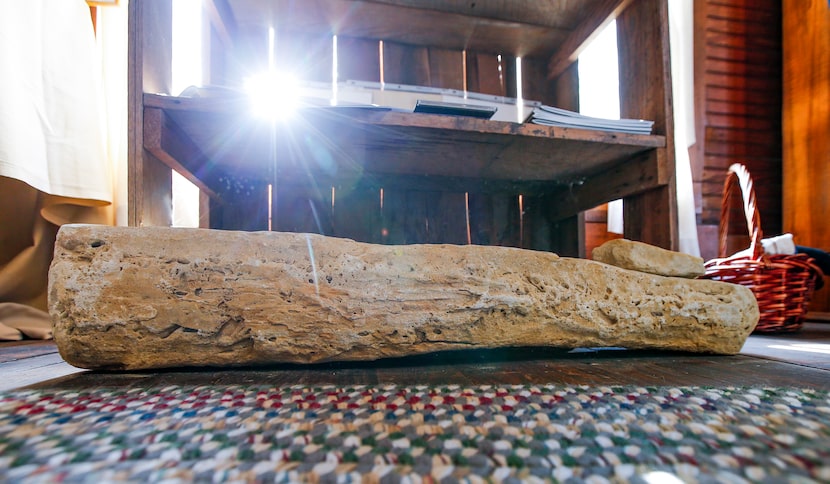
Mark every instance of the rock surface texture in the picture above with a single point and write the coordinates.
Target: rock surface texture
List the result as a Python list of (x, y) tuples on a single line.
[(140, 298), (641, 257)]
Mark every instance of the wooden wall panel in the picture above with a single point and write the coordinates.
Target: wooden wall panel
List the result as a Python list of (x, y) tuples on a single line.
[(535, 83), (738, 97), (416, 225), (394, 216), (307, 57), (405, 64), (446, 217), (485, 74), (358, 59), (216, 71), (310, 56), (807, 120), (446, 68), (247, 56), (356, 214), (806, 127)]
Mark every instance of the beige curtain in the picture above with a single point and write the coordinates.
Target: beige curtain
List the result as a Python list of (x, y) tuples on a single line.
[(54, 167)]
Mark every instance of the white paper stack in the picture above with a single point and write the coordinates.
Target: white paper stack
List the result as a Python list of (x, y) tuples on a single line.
[(406, 97), (551, 116)]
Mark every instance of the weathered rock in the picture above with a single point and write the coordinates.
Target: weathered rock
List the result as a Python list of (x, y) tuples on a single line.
[(135, 298), (641, 257)]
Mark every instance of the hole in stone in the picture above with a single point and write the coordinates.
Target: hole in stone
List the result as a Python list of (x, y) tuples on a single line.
[(96, 243)]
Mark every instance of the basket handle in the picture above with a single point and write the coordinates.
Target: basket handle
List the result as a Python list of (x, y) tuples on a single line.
[(738, 178)]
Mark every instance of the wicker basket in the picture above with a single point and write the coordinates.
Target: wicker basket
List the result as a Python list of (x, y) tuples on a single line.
[(782, 284)]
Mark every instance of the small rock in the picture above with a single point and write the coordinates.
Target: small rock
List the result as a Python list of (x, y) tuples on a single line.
[(637, 256)]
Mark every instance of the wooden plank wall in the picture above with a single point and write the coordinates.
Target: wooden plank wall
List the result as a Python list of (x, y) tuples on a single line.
[(738, 102), (806, 126)]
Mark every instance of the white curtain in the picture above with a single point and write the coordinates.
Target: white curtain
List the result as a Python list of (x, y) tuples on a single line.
[(54, 167), (112, 49), (681, 24), (51, 126)]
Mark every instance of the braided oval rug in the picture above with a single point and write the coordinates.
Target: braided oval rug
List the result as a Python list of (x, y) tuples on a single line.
[(389, 433)]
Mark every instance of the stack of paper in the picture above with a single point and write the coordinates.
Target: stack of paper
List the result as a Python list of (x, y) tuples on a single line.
[(551, 116), (405, 96)]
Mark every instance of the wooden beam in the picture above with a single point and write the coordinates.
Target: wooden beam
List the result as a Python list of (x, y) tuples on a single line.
[(548, 14), (169, 144), (638, 175), (148, 70), (438, 25), (651, 217), (645, 93), (583, 34), (221, 17), (134, 112)]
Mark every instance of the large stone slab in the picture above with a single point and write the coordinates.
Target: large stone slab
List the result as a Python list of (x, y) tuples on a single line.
[(138, 298)]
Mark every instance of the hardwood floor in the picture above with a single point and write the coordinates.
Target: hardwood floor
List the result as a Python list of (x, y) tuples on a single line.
[(799, 359)]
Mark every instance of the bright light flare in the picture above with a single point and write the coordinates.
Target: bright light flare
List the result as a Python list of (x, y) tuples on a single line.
[(273, 95), (820, 348), (661, 477)]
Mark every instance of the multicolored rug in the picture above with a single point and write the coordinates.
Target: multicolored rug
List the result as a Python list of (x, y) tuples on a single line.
[(416, 434)]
